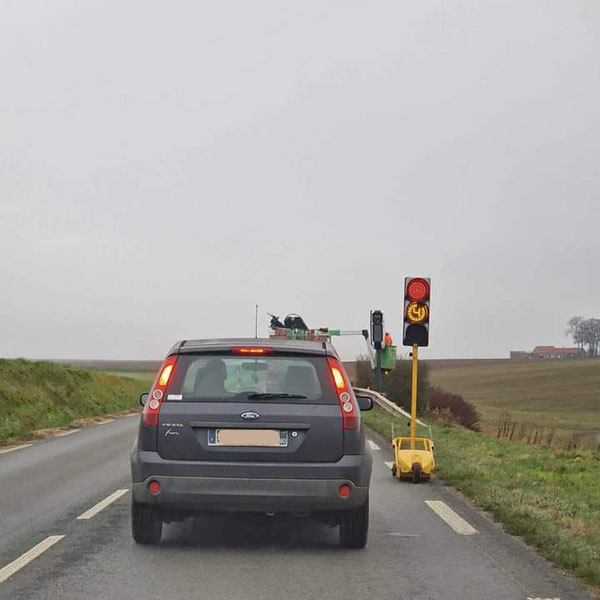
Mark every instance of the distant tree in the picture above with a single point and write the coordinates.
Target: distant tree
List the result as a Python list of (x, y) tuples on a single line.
[(364, 377), (396, 383), (590, 331), (586, 334), (573, 330)]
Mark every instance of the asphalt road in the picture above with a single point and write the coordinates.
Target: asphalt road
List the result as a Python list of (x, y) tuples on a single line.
[(413, 552)]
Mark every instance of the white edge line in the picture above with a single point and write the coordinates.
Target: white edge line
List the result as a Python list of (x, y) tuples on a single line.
[(28, 556), (7, 450), (442, 510), (105, 421), (65, 433), (88, 514)]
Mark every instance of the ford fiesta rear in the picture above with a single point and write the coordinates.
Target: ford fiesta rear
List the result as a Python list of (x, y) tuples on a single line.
[(260, 426)]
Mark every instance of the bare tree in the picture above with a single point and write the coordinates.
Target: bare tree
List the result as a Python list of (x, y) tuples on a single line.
[(590, 331), (586, 334), (574, 332)]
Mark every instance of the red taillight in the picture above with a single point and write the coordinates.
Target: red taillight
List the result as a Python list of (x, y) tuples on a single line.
[(338, 378), (252, 351), (344, 490), (159, 389), (154, 487), (345, 395), (165, 375)]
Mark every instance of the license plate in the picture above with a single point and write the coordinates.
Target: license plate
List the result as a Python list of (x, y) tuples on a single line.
[(259, 438)]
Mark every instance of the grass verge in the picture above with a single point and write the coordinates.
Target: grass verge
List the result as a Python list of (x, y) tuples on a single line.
[(44, 395), (550, 498)]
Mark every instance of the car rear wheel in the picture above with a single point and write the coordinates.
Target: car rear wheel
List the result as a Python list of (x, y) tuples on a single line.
[(146, 525), (354, 527)]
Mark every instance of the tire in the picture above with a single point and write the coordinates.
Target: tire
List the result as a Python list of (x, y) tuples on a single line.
[(394, 470), (417, 473), (146, 525), (354, 527)]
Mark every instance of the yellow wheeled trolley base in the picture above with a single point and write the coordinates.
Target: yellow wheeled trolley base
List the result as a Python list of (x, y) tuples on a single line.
[(413, 458)]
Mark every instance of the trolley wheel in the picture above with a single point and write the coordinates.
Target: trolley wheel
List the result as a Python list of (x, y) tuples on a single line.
[(417, 474), (394, 470)]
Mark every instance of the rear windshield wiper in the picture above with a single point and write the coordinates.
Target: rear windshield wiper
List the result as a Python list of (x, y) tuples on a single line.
[(258, 395)]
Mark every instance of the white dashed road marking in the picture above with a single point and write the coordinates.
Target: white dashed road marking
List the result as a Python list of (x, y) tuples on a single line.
[(528, 598), (26, 558), (442, 510), (404, 535), (7, 450), (373, 445), (88, 514), (389, 464), (64, 433)]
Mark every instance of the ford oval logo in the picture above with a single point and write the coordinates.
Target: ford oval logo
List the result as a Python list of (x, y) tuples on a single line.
[(250, 415)]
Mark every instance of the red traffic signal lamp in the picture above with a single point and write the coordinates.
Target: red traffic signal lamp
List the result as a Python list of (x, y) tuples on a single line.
[(417, 292)]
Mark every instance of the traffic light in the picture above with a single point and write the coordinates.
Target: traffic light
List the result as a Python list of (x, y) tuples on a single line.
[(377, 329), (417, 291)]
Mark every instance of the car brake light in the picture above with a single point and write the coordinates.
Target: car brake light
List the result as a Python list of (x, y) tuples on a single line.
[(345, 396), (338, 378), (159, 389), (164, 376), (252, 351)]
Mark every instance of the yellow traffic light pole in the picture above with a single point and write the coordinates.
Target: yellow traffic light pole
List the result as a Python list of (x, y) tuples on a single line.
[(413, 403), (413, 455)]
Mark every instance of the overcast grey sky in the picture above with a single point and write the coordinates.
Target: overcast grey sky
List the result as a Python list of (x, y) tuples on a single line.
[(165, 165)]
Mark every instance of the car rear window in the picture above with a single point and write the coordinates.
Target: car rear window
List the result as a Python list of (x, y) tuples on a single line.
[(230, 377)]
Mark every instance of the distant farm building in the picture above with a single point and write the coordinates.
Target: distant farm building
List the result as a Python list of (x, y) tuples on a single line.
[(550, 352), (547, 353)]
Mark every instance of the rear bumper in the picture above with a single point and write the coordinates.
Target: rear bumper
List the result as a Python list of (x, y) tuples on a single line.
[(355, 467), (238, 486), (237, 494)]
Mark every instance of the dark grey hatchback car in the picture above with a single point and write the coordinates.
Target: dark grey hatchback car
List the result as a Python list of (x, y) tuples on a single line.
[(269, 426)]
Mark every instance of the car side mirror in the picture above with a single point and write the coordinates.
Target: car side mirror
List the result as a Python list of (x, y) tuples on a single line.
[(364, 402), (144, 398)]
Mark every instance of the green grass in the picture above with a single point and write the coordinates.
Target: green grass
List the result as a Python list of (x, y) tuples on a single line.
[(41, 395), (550, 498), (145, 375), (562, 394)]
